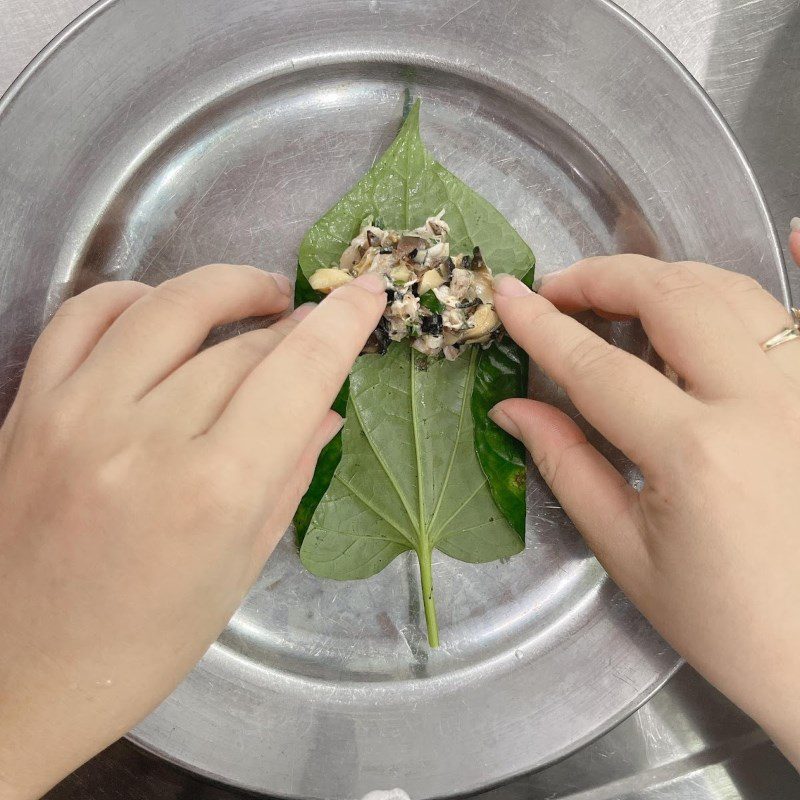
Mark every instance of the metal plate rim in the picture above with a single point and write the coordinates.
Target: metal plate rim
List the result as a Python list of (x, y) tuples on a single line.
[(694, 85), (85, 19), (560, 755), (100, 6)]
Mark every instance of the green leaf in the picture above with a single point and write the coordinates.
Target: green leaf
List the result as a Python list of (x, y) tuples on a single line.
[(407, 475), (408, 478), (332, 452), (326, 465), (303, 293), (430, 301), (404, 188), (502, 373)]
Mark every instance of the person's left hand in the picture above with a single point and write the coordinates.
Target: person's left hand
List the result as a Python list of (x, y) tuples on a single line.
[(142, 487)]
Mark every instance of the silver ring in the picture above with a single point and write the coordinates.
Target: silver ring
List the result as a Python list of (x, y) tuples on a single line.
[(786, 335)]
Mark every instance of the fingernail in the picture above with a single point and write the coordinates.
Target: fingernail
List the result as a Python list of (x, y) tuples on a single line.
[(283, 283), (371, 282), (794, 225), (502, 420), (509, 286), (301, 312), (539, 282)]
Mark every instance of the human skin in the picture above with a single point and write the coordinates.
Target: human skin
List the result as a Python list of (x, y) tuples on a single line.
[(794, 240), (142, 487), (709, 549)]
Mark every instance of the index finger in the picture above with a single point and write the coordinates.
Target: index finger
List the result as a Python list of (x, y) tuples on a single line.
[(287, 396), (628, 401), (687, 318)]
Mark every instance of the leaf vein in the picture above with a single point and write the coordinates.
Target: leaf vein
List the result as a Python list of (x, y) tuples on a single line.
[(385, 468), (346, 550), (436, 536), (376, 511), (459, 431)]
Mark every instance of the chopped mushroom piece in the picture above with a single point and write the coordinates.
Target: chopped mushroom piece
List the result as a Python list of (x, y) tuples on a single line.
[(484, 288), (429, 345), (366, 261), (454, 318), (350, 257), (441, 302), (436, 255), (409, 246), (460, 284)]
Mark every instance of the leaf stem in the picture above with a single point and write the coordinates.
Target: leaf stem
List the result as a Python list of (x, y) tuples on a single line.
[(425, 548), (415, 426), (426, 578)]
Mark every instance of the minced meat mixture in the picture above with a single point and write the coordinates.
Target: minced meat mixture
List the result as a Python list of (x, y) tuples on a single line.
[(440, 301)]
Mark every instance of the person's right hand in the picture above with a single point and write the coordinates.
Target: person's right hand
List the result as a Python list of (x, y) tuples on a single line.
[(709, 550)]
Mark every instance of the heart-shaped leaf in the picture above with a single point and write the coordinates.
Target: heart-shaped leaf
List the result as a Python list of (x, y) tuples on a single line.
[(418, 465)]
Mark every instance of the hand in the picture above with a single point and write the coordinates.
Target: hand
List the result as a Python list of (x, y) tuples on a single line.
[(142, 487), (709, 550)]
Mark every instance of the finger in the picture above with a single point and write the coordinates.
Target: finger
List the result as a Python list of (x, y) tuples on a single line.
[(290, 392), (75, 330), (631, 404), (760, 314), (295, 488), (689, 323), (604, 508), (794, 241), (165, 328), (196, 393)]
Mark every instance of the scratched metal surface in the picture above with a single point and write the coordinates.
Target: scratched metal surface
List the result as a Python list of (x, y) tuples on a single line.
[(666, 750), (745, 54)]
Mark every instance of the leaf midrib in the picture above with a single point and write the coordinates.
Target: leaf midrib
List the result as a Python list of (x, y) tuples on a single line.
[(467, 391), (422, 532), (426, 537)]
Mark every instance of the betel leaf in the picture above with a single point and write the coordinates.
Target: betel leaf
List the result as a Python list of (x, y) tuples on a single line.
[(303, 291), (332, 452), (418, 465), (502, 373), (430, 301)]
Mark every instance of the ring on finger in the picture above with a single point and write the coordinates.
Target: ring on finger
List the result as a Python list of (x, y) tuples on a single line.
[(786, 335)]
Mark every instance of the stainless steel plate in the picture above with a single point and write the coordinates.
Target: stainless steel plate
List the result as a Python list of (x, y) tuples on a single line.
[(154, 136)]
